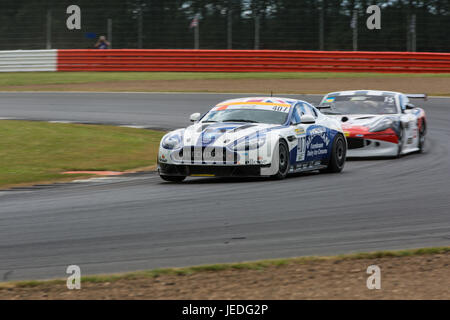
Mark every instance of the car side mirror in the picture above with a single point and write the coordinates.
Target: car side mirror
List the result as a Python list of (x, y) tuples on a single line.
[(307, 119), (409, 106), (195, 116)]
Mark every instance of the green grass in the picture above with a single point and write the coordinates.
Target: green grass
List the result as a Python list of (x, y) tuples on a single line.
[(32, 152), (37, 78), (253, 265)]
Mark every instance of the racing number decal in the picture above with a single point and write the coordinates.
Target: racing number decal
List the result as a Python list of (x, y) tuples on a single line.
[(389, 100), (280, 109), (301, 149)]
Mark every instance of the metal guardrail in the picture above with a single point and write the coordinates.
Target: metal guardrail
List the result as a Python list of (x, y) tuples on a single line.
[(250, 61)]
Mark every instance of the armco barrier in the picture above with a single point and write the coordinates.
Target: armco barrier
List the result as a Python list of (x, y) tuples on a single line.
[(223, 61), (251, 61), (28, 60)]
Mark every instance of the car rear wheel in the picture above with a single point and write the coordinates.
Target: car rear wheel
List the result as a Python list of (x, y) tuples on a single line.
[(173, 178), (338, 154), (400, 143), (283, 161), (422, 133)]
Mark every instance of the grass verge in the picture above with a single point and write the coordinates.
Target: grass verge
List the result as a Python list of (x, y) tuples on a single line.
[(43, 78), (37, 152), (252, 265)]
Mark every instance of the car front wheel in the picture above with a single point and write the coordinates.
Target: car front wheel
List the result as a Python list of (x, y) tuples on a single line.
[(283, 161), (338, 154)]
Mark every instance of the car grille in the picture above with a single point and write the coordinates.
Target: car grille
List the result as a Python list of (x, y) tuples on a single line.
[(355, 143), (206, 155)]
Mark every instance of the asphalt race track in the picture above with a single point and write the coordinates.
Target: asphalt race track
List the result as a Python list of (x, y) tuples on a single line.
[(153, 110), (140, 222)]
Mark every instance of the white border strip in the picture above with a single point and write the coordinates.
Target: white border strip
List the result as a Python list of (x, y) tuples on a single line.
[(28, 60)]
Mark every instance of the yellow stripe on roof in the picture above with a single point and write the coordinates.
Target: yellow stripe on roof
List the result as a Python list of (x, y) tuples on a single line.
[(254, 103)]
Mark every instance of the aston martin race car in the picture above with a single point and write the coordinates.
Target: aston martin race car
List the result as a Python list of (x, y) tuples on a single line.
[(378, 123), (265, 136)]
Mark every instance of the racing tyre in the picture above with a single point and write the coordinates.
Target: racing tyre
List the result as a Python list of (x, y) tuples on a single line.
[(338, 154), (283, 161), (422, 132), (400, 143), (173, 178)]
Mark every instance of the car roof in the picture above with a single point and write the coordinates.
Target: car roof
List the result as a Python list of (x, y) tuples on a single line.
[(260, 101), (364, 92)]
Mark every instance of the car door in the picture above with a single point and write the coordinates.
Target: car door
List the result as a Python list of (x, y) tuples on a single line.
[(302, 131), (300, 134), (317, 136), (409, 124)]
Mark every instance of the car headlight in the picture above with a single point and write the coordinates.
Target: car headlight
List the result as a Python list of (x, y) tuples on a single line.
[(250, 144), (172, 141), (381, 125)]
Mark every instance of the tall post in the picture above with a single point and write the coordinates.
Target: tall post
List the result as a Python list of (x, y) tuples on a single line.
[(109, 32), (355, 30), (230, 28), (257, 31), (321, 25), (48, 31), (196, 25), (408, 33), (197, 36), (413, 33), (140, 29)]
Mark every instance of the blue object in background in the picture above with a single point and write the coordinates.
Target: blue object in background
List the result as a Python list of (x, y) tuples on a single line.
[(90, 35)]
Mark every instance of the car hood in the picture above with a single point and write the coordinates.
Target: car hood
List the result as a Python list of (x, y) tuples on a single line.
[(222, 134)]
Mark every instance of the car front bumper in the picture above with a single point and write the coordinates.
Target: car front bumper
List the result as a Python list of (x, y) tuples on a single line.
[(213, 171), (363, 148)]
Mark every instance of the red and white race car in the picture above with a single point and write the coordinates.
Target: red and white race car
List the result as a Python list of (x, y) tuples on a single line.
[(378, 123)]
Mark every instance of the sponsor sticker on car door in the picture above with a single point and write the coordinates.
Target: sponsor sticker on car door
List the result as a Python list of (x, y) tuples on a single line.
[(301, 148)]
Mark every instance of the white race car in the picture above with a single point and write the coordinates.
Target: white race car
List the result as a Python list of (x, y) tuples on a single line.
[(378, 123), (256, 136)]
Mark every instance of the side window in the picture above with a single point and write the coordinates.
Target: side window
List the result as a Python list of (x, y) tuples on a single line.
[(296, 114), (403, 101), (312, 110), (306, 109), (302, 108)]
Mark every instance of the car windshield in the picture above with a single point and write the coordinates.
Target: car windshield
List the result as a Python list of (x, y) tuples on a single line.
[(359, 104), (246, 115)]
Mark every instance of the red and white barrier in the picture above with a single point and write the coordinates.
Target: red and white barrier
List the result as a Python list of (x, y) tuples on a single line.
[(223, 61)]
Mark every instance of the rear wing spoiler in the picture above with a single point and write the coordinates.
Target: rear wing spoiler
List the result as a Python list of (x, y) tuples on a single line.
[(417, 96)]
